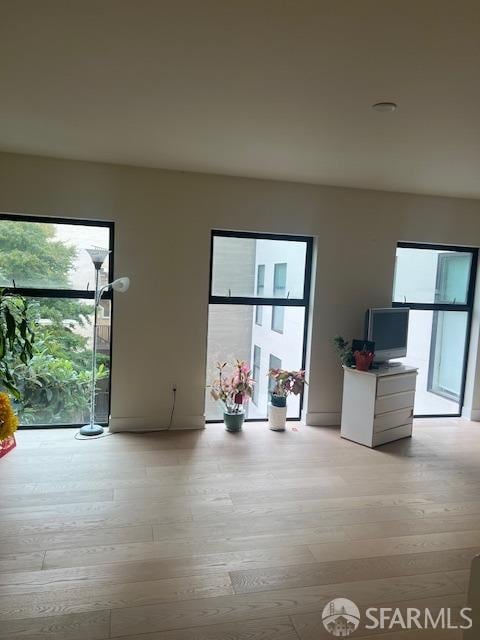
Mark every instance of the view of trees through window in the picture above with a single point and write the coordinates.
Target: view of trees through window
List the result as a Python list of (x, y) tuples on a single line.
[(47, 263)]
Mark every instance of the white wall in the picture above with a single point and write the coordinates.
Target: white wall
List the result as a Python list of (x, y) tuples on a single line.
[(163, 221)]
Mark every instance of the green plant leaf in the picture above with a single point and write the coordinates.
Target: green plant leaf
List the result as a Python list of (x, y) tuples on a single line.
[(11, 326)]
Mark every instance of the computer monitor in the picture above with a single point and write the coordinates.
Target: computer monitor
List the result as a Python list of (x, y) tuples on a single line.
[(388, 328)]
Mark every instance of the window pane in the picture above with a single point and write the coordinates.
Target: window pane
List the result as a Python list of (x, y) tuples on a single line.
[(278, 319), (260, 279), (260, 292), (436, 345), (279, 279), (431, 276), (49, 255), (257, 357), (273, 363), (244, 267), (232, 333), (55, 384)]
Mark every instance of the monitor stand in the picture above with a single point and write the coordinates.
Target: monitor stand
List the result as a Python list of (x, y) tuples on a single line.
[(386, 365)]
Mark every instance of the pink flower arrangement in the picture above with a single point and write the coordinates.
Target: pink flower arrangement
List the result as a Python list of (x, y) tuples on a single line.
[(233, 389), (287, 382)]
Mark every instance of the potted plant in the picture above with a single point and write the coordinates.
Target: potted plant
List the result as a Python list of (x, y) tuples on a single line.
[(8, 424), (286, 383), (16, 346), (344, 351), (233, 391), (363, 358)]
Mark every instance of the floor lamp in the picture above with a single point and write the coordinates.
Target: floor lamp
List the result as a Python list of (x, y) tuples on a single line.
[(121, 284)]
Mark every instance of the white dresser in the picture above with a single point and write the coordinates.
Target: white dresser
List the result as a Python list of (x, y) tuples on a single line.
[(377, 405)]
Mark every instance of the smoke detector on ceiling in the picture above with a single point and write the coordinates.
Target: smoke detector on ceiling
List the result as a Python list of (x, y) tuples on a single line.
[(385, 106)]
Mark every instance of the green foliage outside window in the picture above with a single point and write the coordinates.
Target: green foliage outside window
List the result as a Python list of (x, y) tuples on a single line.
[(53, 386), (16, 340)]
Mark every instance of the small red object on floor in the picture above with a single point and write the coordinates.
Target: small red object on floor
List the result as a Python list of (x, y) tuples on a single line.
[(7, 445)]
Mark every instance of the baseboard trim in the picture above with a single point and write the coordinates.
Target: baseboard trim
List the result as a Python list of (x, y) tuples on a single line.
[(471, 414), (136, 424), (181, 423), (323, 419)]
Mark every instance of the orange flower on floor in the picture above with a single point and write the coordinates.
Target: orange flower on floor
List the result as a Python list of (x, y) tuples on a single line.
[(8, 420)]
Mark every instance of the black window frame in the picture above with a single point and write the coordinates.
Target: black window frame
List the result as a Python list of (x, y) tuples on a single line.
[(57, 292), (443, 306), (254, 301)]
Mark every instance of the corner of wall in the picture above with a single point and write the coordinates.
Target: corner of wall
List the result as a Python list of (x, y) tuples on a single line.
[(471, 414), (324, 419)]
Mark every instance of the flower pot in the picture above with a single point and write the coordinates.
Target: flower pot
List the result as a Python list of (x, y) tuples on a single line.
[(363, 360), (277, 416), (233, 421), (7, 445), (278, 401)]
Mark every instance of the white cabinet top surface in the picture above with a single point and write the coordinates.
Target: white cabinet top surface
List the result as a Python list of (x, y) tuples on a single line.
[(383, 371)]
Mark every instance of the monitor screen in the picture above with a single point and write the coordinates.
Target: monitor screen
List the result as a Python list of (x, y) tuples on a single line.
[(389, 329)]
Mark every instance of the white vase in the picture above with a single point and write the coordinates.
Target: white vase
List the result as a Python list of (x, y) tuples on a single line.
[(277, 417)]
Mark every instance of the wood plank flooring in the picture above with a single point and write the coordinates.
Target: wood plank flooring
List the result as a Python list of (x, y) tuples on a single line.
[(206, 535)]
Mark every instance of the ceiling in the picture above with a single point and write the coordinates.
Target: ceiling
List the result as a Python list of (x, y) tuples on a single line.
[(265, 88)]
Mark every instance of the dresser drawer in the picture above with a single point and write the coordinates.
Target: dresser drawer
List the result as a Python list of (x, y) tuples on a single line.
[(396, 383), (394, 402), (389, 435), (392, 419)]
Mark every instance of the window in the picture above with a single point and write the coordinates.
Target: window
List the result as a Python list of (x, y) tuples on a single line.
[(278, 319), (273, 363), (236, 254), (257, 356), (279, 279), (442, 275), (259, 281), (279, 287), (260, 293), (45, 260), (437, 284)]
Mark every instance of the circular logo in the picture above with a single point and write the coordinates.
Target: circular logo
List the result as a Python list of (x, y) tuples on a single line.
[(341, 617)]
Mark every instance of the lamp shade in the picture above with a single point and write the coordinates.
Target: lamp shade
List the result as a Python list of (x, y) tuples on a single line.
[(98, 256), (121, 284)]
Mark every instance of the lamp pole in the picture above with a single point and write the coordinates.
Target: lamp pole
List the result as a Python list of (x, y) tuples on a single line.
[(98, 258)]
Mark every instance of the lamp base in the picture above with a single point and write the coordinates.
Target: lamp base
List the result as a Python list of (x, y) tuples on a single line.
[(91, 430)]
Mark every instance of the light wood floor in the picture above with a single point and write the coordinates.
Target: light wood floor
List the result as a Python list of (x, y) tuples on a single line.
[(207, 535)]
